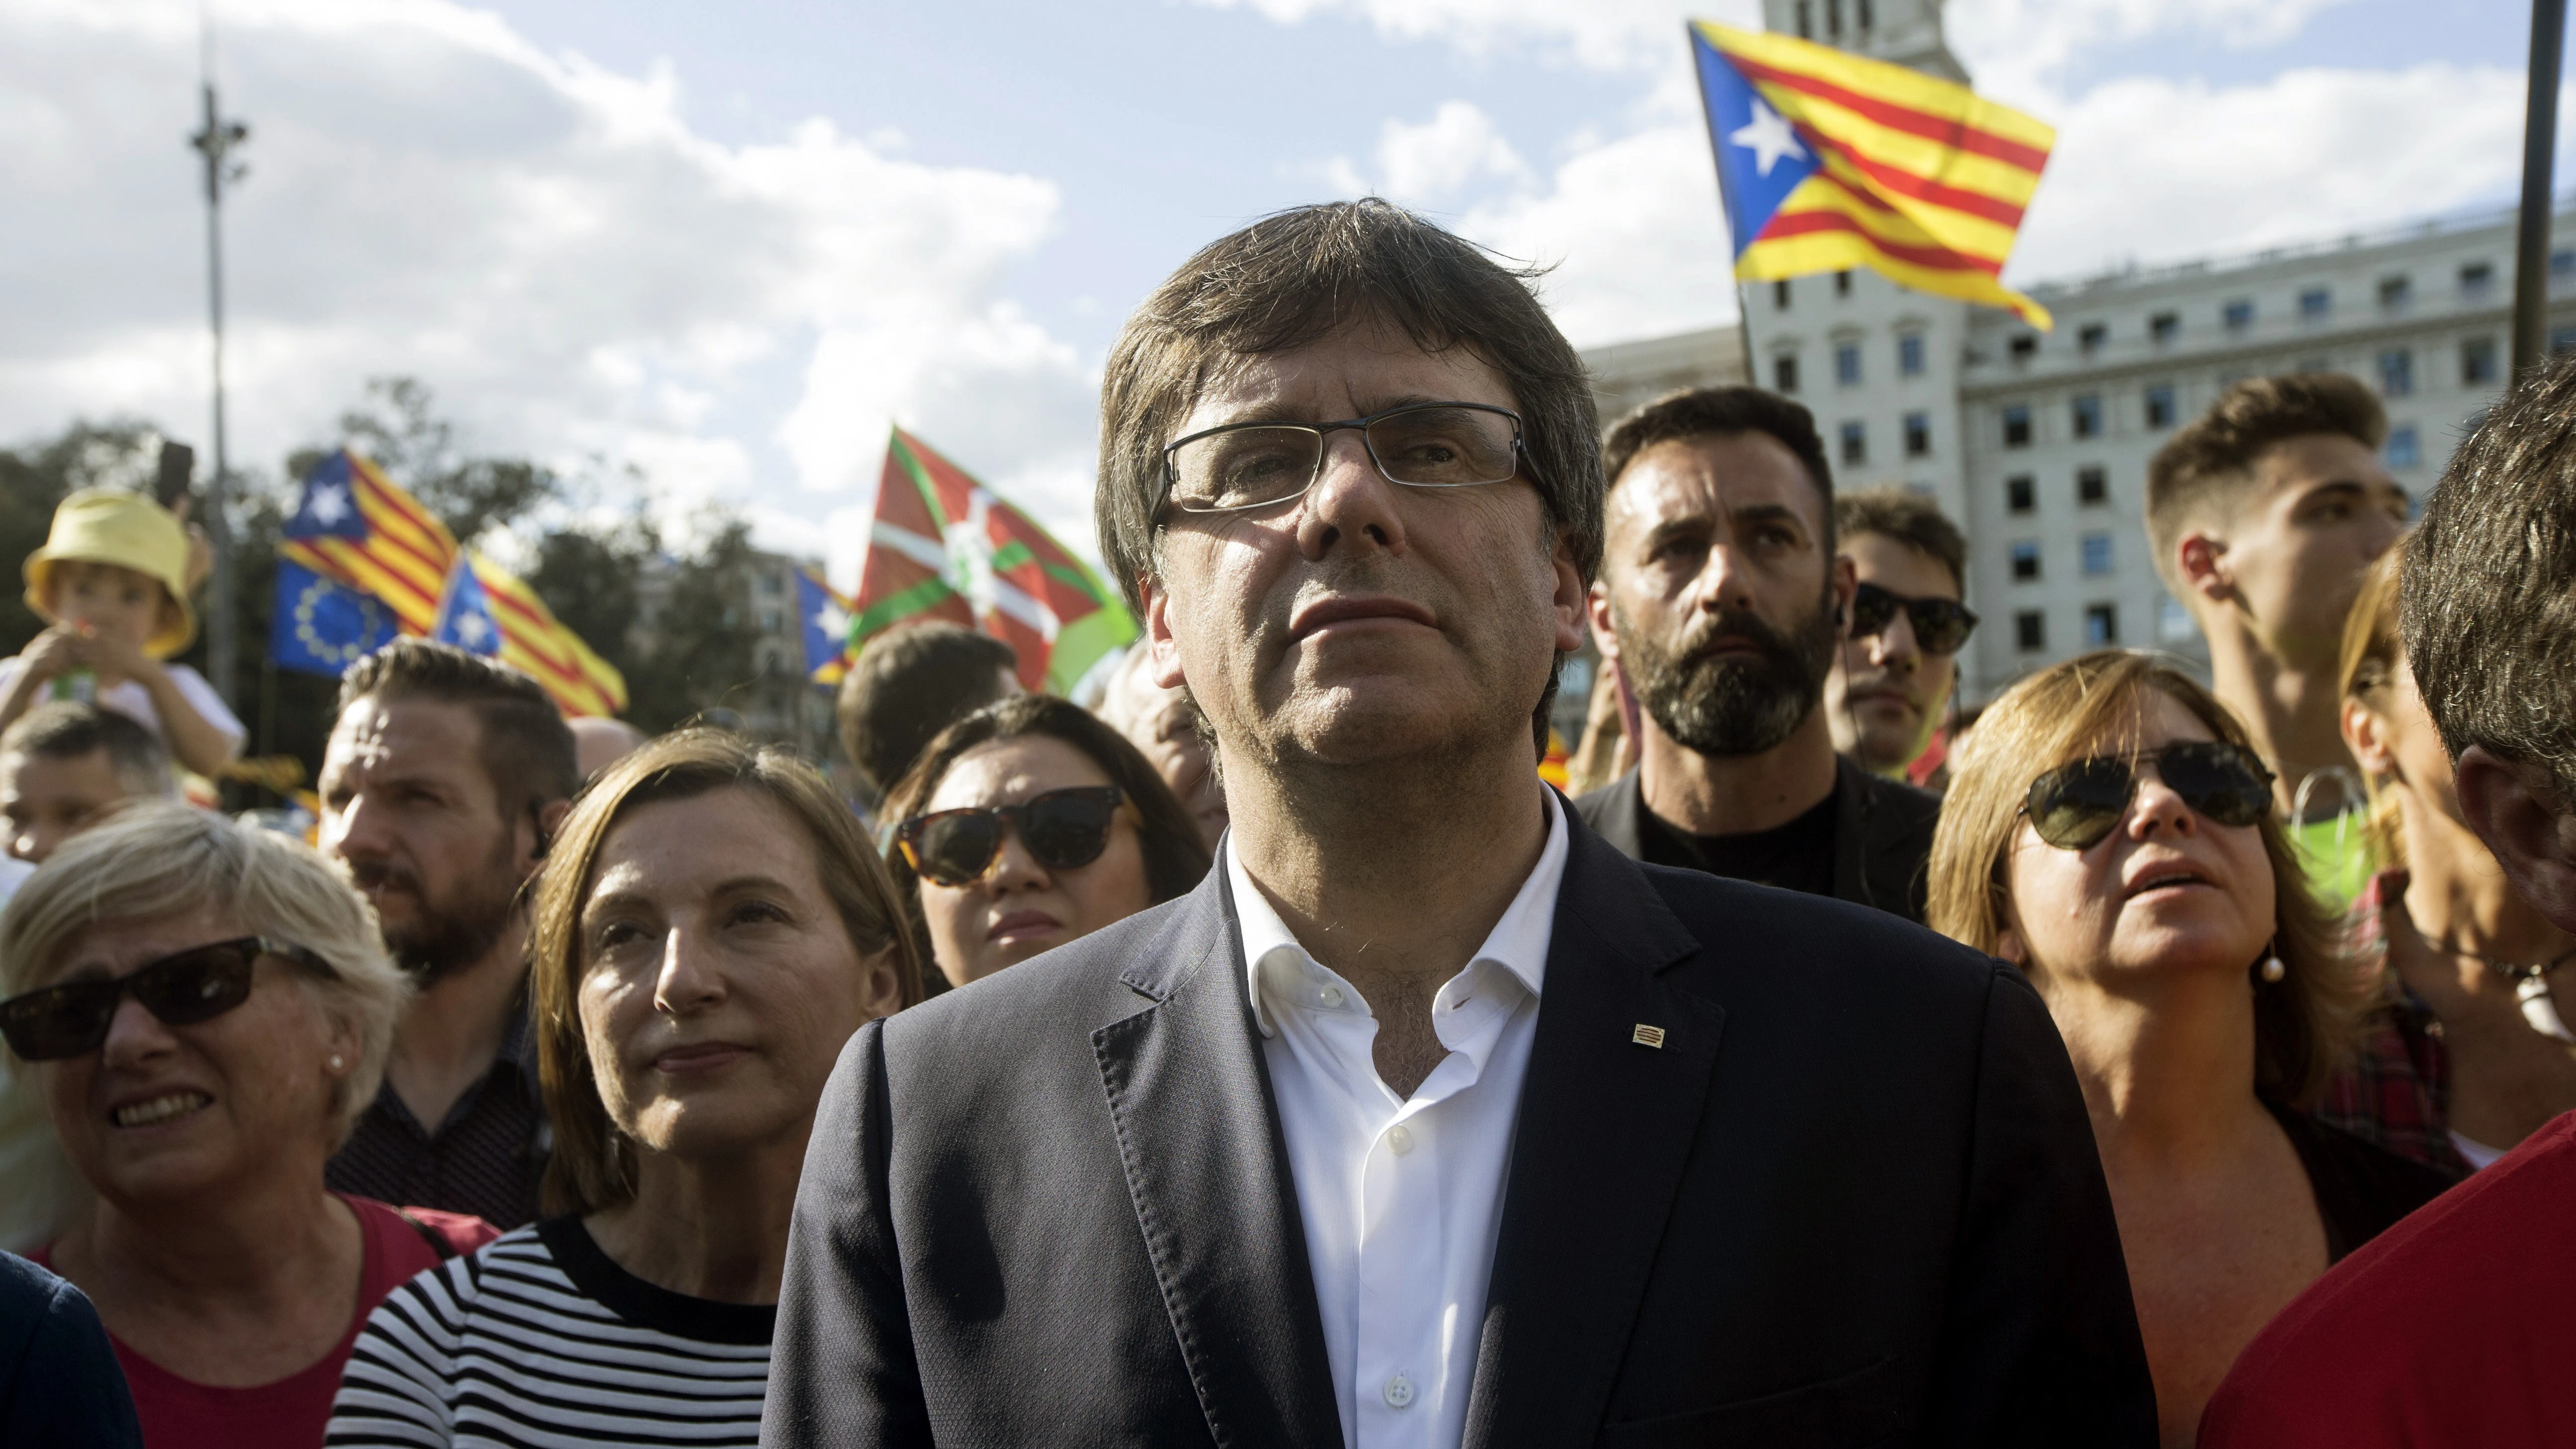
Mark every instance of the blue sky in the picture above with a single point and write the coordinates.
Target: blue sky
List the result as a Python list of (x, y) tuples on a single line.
[(729, 244)]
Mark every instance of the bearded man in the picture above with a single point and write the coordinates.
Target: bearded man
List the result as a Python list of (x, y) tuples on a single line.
[(1721, 600), (445, 776)]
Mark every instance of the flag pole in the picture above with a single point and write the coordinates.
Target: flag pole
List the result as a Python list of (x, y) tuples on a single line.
[(2539, 155), (1726, 213)]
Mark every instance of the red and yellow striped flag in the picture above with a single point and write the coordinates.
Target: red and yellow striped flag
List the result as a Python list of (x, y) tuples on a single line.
[(1830, 160)]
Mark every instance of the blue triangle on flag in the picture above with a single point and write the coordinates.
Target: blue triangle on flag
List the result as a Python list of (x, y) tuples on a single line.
[(465, 616), (329, 505), (1761, 155)]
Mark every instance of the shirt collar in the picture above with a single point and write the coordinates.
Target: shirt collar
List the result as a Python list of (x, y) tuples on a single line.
[(1518, 942)]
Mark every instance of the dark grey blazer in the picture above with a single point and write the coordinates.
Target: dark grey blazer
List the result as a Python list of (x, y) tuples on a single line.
[(1882, 834), (1852, 1199)]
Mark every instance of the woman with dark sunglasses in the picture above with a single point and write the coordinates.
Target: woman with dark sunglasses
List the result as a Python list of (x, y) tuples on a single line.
[(1028, 824), (2109, 830), (207, 1007)]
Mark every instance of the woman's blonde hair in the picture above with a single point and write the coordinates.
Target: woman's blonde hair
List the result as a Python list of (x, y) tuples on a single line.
[(2365, 670), (593, 1165), (2303, 1025), (157, 858)]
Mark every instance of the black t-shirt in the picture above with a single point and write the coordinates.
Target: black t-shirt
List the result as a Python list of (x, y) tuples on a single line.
[(1797, 856)]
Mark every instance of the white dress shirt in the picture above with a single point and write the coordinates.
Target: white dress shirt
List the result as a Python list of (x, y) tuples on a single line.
[(1402, 1198)]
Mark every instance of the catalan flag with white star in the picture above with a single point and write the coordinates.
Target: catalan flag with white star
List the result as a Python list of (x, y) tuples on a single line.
[(1830, 160)]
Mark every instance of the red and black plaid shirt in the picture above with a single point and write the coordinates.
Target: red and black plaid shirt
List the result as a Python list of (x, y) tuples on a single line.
[(2397, 1092)]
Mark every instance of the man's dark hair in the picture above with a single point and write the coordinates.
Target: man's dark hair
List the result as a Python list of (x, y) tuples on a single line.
[(1716, 412), (907, 685), (1909, 518), (1293, 278), (526, 749), (2488, 601), (2206, 469), (70, 731)]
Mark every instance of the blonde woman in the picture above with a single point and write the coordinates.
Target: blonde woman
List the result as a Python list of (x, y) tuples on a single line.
[(206, 1006), (711, 926), (2109, 829), (2469, 1052)]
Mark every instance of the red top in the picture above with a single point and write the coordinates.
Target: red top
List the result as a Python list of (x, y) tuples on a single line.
[(291, 1412), (2450, 1328)]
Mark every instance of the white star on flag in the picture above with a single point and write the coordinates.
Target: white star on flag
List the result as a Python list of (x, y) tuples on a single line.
[(1768, 137), (474, 629), (329, 506), (832, 620)]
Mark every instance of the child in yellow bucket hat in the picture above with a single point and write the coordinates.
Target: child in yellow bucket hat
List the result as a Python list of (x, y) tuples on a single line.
[(112, 581)]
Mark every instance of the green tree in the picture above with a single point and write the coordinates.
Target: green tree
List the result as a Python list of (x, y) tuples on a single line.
[(396, 426)]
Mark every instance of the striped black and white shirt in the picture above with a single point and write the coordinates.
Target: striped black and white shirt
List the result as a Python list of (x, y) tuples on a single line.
[(540, 1340)]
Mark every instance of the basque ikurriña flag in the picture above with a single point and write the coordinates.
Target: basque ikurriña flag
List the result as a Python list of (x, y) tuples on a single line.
[(1830, 160), (944, 546)]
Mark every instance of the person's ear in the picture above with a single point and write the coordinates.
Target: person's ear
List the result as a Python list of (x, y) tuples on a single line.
[(1159, 643), (1571, 600), (883, 995), (2009, 947), (1845, 582), (1596, 603), (2515, 807), (2202, 563), (2366, 735), (548, 818)]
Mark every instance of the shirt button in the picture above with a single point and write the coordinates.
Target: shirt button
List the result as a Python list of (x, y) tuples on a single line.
[(1399, 1140), (1399, 1392), (1332, 996)]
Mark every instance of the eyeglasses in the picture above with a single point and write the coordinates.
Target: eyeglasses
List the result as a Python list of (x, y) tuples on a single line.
[(1420, 445), (71, 1018), (2075, 806), (1063, 829), (1941, 626)]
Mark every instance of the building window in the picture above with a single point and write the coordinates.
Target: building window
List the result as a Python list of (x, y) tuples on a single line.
[(2173, 621), (2088, 416), (2091, 336), (2025, 346), (1867, 12), (2239, 314), (1780, 295), (2101, 625), (2395, 292), (1842, 282), (2025, 562), (1909, 354), (2097, 554), (2160, 405), (2017, 426), (2562, 339), (2562, 263), (1806, 20), (2315, 303), (2021, 493), (1918, 434), (1847, 363), (2477, 361), (1784, 372), (2162, 327), (2396, 372), (2405, 448), (2030, 631), (1834, 20), (2093, 486), (1855, 442), (2476, 280)]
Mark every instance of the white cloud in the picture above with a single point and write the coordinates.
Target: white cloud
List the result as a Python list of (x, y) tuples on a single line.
[(546, 242), (1424, 163)]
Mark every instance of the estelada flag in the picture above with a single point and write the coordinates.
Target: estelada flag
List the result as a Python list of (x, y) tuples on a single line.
[(360, 529), (943, 546), (1830, 160)]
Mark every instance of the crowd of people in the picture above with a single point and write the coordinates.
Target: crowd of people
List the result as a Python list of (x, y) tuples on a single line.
[(1266, 1055)]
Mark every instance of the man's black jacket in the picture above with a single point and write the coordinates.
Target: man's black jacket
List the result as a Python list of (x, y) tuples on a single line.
[(1882, 834), (1852, 1199)]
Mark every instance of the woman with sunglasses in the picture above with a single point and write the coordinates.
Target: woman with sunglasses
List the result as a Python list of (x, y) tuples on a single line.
[(2469, 1051), (2109, 830), (1028, 824), (710, 928), (207, 1007)]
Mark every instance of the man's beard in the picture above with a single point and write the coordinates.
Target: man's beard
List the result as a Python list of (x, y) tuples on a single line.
[(1732, 705), (450, 935)]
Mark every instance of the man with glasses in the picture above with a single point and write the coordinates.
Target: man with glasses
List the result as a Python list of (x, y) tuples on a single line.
[(1428, 1118), (1898, 668), (1721, 601)]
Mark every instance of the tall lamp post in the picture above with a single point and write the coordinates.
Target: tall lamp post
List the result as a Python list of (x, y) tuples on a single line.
[(216, 140), (2539, 144)]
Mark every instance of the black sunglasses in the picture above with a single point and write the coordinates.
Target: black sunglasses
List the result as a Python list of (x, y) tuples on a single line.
[(1063, 829), (71, 1018), (2074, 806), (1941, 626)]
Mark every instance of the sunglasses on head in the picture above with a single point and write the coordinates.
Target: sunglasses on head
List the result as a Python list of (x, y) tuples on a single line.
[(1941, 626), (1063, 830), (2075, 806), (71, 1018)]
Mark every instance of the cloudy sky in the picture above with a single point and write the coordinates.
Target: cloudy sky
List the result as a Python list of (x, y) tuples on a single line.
[(729, 244)]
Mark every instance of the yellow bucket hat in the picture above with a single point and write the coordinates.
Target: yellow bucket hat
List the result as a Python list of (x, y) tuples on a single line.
[(101, 525)]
